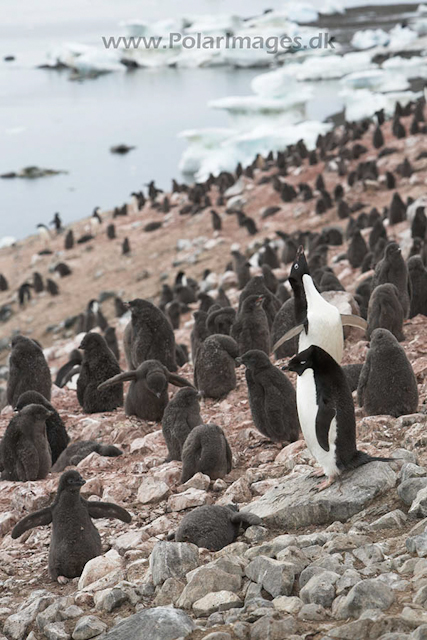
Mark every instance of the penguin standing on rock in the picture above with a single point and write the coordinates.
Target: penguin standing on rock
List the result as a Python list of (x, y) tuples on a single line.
[(318, 321), (326, 413), (271, 398), (75, 539), (148, 393)]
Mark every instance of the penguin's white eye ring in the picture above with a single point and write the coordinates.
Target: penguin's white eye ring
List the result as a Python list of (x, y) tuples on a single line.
[(296, 266), (303, 361)]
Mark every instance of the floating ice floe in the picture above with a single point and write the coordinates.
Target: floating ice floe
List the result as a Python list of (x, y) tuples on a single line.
[(200, 142), (363, 103), (275, 83), (375, 80), (401, 36), (86, 59), (415, 67), (204, 156), (301, 12), (7, 241), (370, 38), (262, 105)]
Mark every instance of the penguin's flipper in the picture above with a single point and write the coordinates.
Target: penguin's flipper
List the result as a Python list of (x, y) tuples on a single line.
[(107, 510), (325, 415), (120, 377), (245, 519), (349, 320), (176, 380), (295, 331), (36, 519)]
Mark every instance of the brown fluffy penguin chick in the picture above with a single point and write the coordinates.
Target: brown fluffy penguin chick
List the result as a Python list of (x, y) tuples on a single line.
[(75, 539), (387, 383), (271, 397), (385, 311), (28, 370), (148, 392), (213, 526), (181, 415), (55, 428), (99, 364), (251, 329), (207, 451), (78, 451), (24, 450), (148, 336), (392, 268), (214, 368)]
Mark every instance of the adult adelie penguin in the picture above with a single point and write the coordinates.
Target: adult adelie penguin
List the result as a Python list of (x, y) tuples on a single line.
[(326, 414), (318, 321)]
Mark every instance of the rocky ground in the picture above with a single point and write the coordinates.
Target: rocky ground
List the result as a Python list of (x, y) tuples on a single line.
[(348, 563)]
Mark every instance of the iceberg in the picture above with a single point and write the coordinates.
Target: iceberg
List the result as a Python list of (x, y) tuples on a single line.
[(204, 156), (332, 7), (7, 241), (376, 80), (262, 105), (370, 38), (363, 103), (401, 36), (301, 12)]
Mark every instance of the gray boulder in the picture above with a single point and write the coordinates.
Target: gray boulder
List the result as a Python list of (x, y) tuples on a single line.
[(160, 623), (292, 504)]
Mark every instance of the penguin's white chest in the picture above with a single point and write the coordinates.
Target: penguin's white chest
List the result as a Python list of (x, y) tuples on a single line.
[(324, 324), (307, 412)]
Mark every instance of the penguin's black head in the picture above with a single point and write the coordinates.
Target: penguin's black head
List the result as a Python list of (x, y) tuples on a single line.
[(71, 481), (187, 396), (253, 302), (253, 359), (299, 267), (31, 397), (36, 412), (92, 340), (302, 361), (156, 382), (392, 250)]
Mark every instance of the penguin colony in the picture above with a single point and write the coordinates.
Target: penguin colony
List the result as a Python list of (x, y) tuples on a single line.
[(292, 304)]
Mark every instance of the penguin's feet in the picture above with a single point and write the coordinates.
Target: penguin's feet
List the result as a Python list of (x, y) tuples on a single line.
[(62, 579), (317, 473), (326, 483)]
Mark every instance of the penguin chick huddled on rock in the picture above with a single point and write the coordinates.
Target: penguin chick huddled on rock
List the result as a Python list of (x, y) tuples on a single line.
[(392, 268), (75, 539), (28, 370), (214, 368), (213, 526), (147, 396), (387, 383), (148, 336), (317, 321), (24, 450), (385, 311), (55, 428), (78, 451), (207, 451), (98, 365), (251, 329), (271, 398), (326, 414), (181, 415)]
